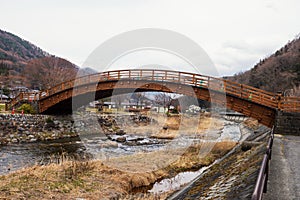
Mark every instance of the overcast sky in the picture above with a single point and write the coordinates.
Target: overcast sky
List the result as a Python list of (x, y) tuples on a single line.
[(236, 34)]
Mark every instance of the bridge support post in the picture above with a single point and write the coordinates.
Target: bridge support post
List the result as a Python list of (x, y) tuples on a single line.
[(287, 123)]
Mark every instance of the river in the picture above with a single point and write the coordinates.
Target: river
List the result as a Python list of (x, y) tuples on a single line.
[(17, 156)]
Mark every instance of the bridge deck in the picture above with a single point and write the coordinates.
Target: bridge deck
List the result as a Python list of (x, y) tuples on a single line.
[(238, 91)]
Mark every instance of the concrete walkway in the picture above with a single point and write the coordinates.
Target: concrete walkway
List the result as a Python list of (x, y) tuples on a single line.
[(284, 176)]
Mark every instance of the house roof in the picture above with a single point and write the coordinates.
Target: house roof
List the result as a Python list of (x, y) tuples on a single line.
[(3, 96)]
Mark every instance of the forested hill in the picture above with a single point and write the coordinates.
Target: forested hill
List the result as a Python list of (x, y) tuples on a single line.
[(24, 64), (278, 72), (15, 49)]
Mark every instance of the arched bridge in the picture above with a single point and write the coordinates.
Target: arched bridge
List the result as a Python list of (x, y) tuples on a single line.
[(247, 100)]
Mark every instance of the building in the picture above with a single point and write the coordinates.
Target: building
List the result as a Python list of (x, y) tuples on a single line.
[(4, 98)]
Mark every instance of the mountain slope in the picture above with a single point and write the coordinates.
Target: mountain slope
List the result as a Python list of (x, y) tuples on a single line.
[(24, 64), (15, 49), (279, 72)]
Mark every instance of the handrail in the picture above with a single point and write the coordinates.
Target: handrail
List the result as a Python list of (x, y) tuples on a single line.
[(217, 84), (291, 104), (15, 100), (30, 96), (262, 180)]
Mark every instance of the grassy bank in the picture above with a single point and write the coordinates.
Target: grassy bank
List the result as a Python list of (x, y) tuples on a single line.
[(114, 178)]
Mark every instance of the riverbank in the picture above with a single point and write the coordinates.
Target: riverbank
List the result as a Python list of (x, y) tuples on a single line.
[(234, 176), (117, 177), (102, 136), (94, 179)]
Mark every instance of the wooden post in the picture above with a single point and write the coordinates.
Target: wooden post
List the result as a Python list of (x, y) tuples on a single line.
[(152, 74), (208, 82), (165, 75), (241, 90), (193, 81), (279, 101)]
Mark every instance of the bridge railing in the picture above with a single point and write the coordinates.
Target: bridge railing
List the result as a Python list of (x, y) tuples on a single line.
[(217, 84), (16, 100), (24, 96), (290, 104), (252, 94)]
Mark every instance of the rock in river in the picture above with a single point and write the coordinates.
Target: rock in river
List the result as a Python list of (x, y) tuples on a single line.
[(120, 132), (121, 139)]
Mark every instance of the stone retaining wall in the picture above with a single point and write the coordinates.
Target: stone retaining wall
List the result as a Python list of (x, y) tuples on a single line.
[(287, 123), (19, 128)]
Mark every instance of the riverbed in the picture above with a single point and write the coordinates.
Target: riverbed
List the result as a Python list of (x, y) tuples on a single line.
[(17, 156)]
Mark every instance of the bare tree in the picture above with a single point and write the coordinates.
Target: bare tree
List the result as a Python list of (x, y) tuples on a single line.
[(140, 96), (118, 99), (162, 99), (49, 71)]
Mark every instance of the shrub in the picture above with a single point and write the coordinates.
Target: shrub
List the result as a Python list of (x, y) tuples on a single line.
[(2, 107), (49, 120), (168, 114), (27, 108), (174, 111)]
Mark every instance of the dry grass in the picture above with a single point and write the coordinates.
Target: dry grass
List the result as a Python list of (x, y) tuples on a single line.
[(148, 196), (111, 179), (251, 123), (186, 125)]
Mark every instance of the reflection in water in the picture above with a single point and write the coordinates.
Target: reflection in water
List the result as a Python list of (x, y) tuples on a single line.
[(230, 132), (172, 184)]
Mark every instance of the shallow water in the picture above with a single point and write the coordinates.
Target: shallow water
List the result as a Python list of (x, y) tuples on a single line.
[(230, 132), (16, 156), (172, 184)]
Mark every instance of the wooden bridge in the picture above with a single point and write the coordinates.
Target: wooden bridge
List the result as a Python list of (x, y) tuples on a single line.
[(250, 101)]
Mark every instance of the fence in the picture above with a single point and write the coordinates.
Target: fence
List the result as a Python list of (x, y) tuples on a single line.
[(262, 180)]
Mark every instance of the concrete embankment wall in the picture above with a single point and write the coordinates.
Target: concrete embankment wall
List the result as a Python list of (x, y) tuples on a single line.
[(287, 123)]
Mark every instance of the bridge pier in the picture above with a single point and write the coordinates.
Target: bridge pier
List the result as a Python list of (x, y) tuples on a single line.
[(287, 123)]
